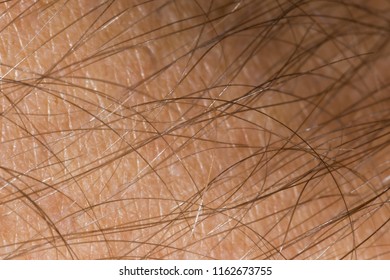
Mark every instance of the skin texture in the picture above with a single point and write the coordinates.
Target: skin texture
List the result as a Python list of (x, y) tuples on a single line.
[(194, 130)]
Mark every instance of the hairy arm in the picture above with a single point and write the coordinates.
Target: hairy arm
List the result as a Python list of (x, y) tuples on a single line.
[(194, 130)]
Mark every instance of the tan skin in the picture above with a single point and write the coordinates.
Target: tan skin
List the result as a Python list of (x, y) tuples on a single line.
[(194, 130)]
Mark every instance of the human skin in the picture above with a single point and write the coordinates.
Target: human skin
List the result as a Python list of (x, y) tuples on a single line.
[(194, 130)]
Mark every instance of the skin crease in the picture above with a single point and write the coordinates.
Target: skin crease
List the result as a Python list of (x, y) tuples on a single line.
[(194, 130)]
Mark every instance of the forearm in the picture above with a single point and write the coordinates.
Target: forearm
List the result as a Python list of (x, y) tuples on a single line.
[(186, 130)]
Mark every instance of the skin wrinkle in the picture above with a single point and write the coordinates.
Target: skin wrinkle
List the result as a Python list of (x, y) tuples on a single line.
[(194, 129)]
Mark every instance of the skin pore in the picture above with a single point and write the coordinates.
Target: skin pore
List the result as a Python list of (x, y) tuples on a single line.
[(174, 129)]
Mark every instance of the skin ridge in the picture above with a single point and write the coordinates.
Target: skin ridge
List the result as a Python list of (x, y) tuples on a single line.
[(194, 130)]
